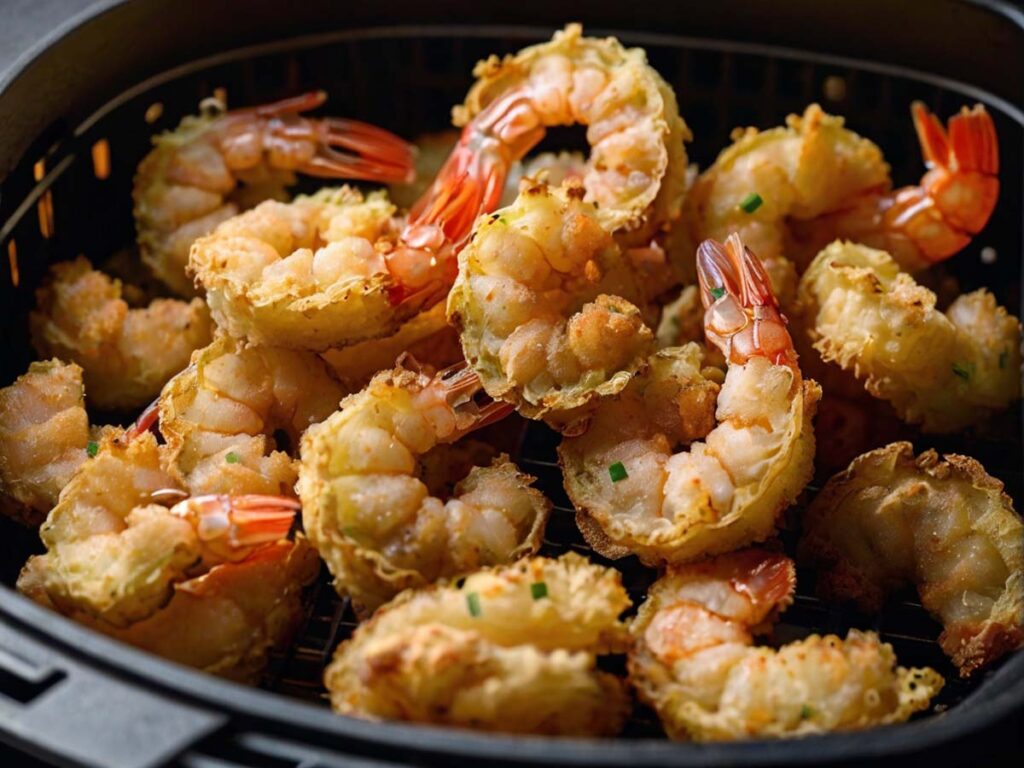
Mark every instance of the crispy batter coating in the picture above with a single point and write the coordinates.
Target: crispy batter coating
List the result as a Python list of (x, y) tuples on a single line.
[(674, 505), (540, 308), (44, 435), (233, 418), (946, 527), (944, 371), (511, 648), (695, 662), (369, 507), (166, 580), (126, 354), (637, 166), (307, 274)]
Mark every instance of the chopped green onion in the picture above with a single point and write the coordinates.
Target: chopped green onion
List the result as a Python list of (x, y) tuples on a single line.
[(92, 448), (1002, 358), (617, 472), (539, 590), (751, 202), (473, 604), (805, 712), (231, 458), (964, 371), (351, 531), (718, 292)]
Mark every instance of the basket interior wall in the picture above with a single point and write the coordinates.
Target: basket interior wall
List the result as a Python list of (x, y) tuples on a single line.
[(72, 195)]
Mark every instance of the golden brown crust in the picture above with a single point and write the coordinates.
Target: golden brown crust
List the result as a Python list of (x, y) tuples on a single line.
[(891, 518)]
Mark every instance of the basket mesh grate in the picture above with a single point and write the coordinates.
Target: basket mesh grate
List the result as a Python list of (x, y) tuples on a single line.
[(718, 88)]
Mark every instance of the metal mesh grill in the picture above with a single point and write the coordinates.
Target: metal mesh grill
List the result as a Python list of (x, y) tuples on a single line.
[(407, 81)]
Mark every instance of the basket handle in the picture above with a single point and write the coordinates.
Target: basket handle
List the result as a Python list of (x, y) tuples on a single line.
[(59, 709)]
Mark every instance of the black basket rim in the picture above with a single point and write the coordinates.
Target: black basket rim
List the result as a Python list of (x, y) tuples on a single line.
[(298, 718)]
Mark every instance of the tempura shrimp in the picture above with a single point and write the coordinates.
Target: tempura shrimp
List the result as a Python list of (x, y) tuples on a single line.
[(633, 494), (232, 417), (694, 659), (511, 648), (946, 527), (375, 522), (635, 172), (789, 191), (634, 175), (944, 371), (116, 556), (126, 354), (217, 163), (310, 274), (542, 303), (44, 437)]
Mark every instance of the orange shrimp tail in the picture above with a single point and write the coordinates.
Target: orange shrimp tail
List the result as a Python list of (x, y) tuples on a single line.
[(742, 316), (373, 154), (767, 578), (469, 184), (246, 520), (146, 421), (958, 193), (260, 519), (462, 385)]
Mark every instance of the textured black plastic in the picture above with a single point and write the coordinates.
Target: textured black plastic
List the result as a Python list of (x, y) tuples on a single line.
[(95, 79)]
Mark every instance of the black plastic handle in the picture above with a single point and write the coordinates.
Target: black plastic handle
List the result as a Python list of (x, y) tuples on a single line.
[(61, 710)]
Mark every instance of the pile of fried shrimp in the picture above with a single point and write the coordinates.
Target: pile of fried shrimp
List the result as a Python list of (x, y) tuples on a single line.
[(341, 380)]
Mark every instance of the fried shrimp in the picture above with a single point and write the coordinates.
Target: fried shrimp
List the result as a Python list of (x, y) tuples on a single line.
[(218, 163), (634, 495), (44, 437), (126, 354), (694, 659), (310, 274), (231, 418), (789, 191), (542, 305), (635, 174), (637, 164), (116, 557), (374, 520), (946, 527), (508, 649), (944, 371)]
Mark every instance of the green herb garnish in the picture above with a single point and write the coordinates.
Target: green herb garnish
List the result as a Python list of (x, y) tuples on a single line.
[(617, 472), (751, 202), (231, 458), (718, 293), (806, 712), (963, 370), (92, 448), (539, 590), (473, 604)]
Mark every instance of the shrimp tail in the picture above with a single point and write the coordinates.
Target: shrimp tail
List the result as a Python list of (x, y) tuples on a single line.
[(244, 521), (146, 421), (373, 153), (742, 315), (461, 385), (969, 145), (767, 578), (960, 190)]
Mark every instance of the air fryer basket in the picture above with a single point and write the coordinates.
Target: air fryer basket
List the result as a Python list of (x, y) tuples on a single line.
[(78, 697)]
